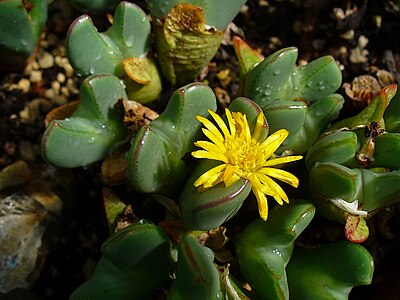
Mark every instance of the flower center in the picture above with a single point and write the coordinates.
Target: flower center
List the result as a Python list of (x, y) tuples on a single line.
[(242, 155)]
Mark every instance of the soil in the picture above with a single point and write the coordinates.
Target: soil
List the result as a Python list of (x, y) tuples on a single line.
[(360, 35)]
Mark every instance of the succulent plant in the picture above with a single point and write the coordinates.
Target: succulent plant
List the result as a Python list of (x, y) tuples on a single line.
[(121, 50), (264, 248), (21, 25), (136, 261), (188, 33), (155, 160), (196, 275), (354, 168), (90, 132), (298, 98), (329, 272)]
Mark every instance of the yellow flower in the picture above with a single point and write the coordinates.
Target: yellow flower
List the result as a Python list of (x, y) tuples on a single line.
[(243, 155)]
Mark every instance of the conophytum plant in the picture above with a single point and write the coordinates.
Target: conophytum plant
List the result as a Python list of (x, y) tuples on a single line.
[(89, 133), (121, 50), (354, 168), (301, 99)]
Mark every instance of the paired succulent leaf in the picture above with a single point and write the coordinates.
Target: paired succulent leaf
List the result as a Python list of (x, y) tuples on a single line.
[(127, 40), (91, 131), (299, 99), (207, 209), (196, 275), (338, 161), (329, 272), (264, 248), (20, 29), (136, 261), (371, 188), (155, 160)]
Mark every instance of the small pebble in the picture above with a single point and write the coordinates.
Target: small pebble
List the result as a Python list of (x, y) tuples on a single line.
[(71, 86), (24, 84), (358, 56), (36, 76), (55, 85), (60, 77), (65, 91), (46, 60)]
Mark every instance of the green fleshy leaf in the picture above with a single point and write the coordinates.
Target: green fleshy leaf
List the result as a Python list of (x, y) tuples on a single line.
[(265, 82), (334, 181), (211, 208), (305, 93), (264, 248), (387, 148), (339, 147), (294, 112), (155, 160), (136, 260), (196, 275), (329, 272), (91, 131), (379, 189), (20, 30), (278, 78), (392, 113), (373, 190), (127, 37), (247, 56), (130, 30), (105, 57)]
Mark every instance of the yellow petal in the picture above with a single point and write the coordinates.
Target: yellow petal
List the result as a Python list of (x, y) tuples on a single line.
[(274, 141), (213, 138), (210, 147), (282, 175), (230, 177), (279, 194), (220, 123), (209, 174), (259, 126), (209, 155), (231, 122), (211, 127), (281, 160), (262, 203), (213, 180), (257, 184)]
